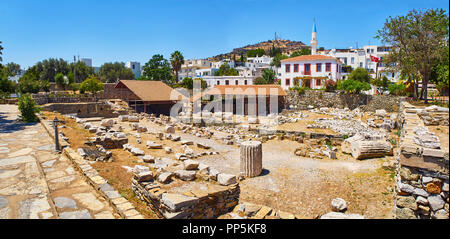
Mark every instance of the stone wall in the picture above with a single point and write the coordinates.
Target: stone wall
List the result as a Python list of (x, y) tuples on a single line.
[(422, 170), (210, 202), (319, 98), (93, 109), (434, 115), (42, 99)]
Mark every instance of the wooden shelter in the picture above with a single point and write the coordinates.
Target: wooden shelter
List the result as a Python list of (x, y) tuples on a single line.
[(148, 96)]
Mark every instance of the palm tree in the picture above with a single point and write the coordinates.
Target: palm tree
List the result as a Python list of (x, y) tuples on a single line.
[(176, 59)]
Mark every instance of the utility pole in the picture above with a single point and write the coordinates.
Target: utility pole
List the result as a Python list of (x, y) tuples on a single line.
[(75, 69)]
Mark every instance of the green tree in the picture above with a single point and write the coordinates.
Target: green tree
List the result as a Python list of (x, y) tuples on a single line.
[(440, 72), (63, 81), (274, 51), (226, 70), (113, 72), (259, 81), (256, 52), (92, 85), (176, 60), (360, 74), (29, 82), (79, 71), (397, 89), (12, 69), (353, 86), (158, 69), (303, 51), (1, 52), (417, 40), (269, 75), (47, 69), (276, 61), (28, 108), (187, 83), (6, 86)]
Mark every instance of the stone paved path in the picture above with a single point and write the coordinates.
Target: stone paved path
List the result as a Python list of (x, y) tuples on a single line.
[(36, 182)]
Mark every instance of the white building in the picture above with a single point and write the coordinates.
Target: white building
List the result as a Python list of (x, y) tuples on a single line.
[(193, 63), (135, 68), (205, 72), (261, 59), (227, 80), (217, 64), (309, 70), (361, 58), (87, 61), (190, 68)]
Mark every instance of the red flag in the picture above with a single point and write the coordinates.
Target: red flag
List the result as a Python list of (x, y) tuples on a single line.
[(374, 59)]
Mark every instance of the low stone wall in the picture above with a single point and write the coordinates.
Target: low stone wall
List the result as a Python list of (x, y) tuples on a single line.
[(12, 101), (434, 115), (93, 109), (42, 99), (193, 204), (319, 98), (422, 171)]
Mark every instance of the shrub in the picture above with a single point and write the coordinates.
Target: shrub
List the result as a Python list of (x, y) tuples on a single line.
[(353, 86), (360, 74), (300, 90), (397, 89), (28, 108), (330, 85), (92, 85), (259, 81)]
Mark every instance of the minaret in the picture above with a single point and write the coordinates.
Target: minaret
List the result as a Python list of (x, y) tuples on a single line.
[(314, 39)]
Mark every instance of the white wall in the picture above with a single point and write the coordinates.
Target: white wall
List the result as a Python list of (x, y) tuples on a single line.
[(333, 74)]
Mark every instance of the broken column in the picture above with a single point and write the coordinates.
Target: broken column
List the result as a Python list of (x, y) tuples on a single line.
[(370, 149), (251, 158)]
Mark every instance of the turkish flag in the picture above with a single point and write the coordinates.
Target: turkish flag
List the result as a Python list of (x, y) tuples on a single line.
[(374, 59)]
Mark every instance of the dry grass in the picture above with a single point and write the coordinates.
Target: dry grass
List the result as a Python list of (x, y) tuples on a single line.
[(441, 132), (120, 179)]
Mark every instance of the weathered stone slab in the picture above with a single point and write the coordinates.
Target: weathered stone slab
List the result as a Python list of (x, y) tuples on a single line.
[(64, 202), (226, 179), (340, 215), (177, 201)]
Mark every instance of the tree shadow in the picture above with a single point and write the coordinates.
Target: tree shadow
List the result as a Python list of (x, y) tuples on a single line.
[(10, 126)]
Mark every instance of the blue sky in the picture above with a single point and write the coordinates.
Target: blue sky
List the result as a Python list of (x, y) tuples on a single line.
[(113, 30)]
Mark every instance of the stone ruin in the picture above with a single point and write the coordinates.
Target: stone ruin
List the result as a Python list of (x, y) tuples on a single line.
[(422, 170)]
